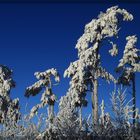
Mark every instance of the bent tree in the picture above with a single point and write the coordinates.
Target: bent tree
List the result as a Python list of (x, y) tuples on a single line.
[(104, 28), (48, 97), (128, 66)]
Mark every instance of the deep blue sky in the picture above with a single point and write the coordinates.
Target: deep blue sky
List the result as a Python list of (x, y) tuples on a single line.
[(36, 37)]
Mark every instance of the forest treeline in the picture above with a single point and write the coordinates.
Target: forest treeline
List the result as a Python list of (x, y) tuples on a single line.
[(123, 123)]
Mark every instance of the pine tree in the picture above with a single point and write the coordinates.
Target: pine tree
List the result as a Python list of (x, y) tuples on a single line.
[(9, 108), (48, 97), (88, 69), (77, 87), (128, 66), (66, 122)]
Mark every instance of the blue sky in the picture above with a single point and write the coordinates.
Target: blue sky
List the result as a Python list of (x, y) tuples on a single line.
[(39, 36)]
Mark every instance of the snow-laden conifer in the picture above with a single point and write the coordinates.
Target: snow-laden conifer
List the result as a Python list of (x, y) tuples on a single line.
[(88, 69), (9, 108), (45, 84), (128, 66)]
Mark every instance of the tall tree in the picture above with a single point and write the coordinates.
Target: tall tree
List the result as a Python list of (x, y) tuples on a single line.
[(90, 70), (128, 66), (48, 97), (9, 108), (77, 90)]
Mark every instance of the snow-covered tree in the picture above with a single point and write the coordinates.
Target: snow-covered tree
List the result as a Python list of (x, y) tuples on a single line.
[(122, 110), (45, 83), (88, 69), (128, 66), (76, 100), (77, 90), (67, 120), (66, 123), (123, 114), (9, 109), (102, 116)]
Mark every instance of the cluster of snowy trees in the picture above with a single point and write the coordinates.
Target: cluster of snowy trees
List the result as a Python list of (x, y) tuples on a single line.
[(85, 73)]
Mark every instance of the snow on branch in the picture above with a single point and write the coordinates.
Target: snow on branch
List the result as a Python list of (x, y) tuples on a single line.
[(45, 83), (106, 25), (131, 54), (9, 109)]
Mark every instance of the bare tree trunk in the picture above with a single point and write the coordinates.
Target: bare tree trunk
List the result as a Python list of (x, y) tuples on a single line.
[(95, 102), (49, 115), (52, 113), (80, 117), (134, 98), (95, 90), (92, 97)]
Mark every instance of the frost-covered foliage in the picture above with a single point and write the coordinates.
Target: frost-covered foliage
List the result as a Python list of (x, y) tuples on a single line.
[(44, 81), (74, 102), (66, 123), (114, 50), (104, 127), (130, 53), (130, 62), (128, 66), (122, 110), (123, 114), (86, 71), (77, 91), (69, 123), (25, 130), (106, 25), (77, 83), (9, 109), (105, 119), (48, 97)]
